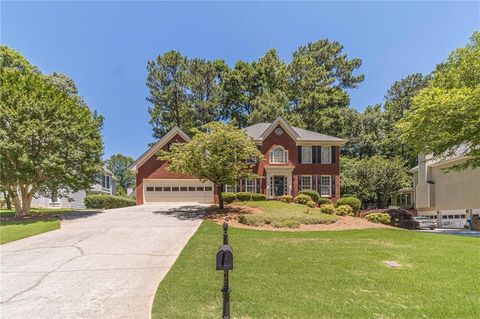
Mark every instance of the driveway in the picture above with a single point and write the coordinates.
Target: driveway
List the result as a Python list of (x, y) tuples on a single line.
[(106, 265), (453, 231)]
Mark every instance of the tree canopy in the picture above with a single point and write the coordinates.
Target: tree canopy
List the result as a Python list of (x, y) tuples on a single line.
[(219, 153), (445, 116), (49, 139), (119, 164)]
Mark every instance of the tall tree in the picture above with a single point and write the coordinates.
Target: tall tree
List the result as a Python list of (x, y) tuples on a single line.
[(445, 116), (220, 153), (119, 164), (320, 74), (184, 92), (48, 140)]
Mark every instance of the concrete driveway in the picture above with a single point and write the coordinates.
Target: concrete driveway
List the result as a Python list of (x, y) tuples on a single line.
[(106, 265)]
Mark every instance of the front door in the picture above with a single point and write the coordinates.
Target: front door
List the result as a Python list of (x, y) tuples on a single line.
[(279, 185)]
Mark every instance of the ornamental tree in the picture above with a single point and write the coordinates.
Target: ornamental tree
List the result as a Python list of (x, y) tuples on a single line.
[(49, 138), (219, 153)]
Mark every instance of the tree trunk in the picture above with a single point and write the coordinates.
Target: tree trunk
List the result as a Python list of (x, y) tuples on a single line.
[(8, 201), (22, 204), (220, 197)]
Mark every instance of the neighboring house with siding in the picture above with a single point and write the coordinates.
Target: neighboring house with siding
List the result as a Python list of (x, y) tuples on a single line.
[(452, 196), (294, 159), (105, 184)]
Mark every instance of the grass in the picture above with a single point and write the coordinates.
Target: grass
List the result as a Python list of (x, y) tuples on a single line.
[(14, 230), (325, 275), (38, 211), (279, 215)]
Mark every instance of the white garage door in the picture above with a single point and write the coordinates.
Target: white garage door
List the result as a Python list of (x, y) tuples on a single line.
[(178, 190)]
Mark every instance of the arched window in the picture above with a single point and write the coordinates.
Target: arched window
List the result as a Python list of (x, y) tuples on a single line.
[(278, 155)]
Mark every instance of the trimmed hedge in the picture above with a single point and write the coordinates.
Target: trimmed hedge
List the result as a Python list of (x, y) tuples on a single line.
[(286, 198), (344, 210), (229, 197), (302, 199), (107, 201), (324, 200), (243, 197), (314, 195), (311, 204), (351, 201), (379, 218), (327, 209), (258, 197)]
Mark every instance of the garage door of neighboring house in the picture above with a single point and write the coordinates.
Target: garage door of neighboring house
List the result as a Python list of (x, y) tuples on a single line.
[(453, 218), (178, 190)]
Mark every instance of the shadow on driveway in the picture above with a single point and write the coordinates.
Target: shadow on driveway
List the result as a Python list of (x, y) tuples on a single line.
[(79, 214), (190, 212), (457, 232)]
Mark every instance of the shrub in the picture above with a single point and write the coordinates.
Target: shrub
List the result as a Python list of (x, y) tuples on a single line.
[(322, 201), (107, 201), (344, 210), (286, 198), (229, 197), (288, 223), (302, 199), (253, 219), (314, 195), (243, 197), (327, 209), (311, 204), (351, 201), (379, 218), (259, 197)]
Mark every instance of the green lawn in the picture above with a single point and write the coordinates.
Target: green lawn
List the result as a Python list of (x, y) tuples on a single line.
[(325, 275), (38, 211), (280, 214), (14, 230)]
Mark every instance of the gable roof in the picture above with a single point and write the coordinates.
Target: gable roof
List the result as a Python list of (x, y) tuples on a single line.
[(260, 131), (157, 146)]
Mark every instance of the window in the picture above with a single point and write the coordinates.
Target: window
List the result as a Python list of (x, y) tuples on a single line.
[(306, 182), (278, 155), (150, 189), (306, 155), (250, 185), (158, 189), (166, 189), (200, 189), (231, 188), (54, 199), (106, 181), (191, 189), (208, 189), (325, 185), (183, 189), (326, 155), (175, 189)]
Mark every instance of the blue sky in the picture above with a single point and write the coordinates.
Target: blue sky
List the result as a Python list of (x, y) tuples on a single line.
[(105, 46)]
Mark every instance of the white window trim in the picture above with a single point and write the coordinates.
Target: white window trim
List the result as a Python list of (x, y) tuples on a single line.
[(303, 185), (327, 159), (272, 157), (329, 185), (304, 152)]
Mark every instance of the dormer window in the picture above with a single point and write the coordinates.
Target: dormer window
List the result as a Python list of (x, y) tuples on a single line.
[(278, 155)]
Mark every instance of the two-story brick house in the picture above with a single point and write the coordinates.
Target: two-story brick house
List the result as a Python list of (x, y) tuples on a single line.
[(294, 159)]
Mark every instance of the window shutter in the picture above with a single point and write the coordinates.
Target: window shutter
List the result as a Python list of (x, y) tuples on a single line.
[(314, 182), (334, 155), (299, 182), (257, 189), (299, 155), (333, 185), (314, 154), (319, 154)]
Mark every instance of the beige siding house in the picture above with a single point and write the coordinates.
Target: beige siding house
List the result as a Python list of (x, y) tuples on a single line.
[(451, 197)]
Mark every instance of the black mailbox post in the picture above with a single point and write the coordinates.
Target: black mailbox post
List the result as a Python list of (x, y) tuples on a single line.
[(224, 261)]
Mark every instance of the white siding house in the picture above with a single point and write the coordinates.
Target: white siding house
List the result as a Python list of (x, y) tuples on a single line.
[(105, 185), (452, 196)]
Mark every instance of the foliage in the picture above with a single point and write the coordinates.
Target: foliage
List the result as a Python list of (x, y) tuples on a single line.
[(314, 195), (302, 199), (107, 201), (286, 198), (324, 200), (220, 153), (445, 116), (184, 92), (243, 196), (327, 209), (311, 204), (351, 201), (283, 215), (379, 218), (344, 210), (373, 179), (47, 133), (258, 197), (229, 197), (119, 164)]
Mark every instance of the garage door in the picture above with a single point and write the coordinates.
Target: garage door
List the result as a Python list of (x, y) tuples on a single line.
[(186, 190)]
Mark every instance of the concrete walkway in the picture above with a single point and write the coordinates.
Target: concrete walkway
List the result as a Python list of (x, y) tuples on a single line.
[(106, 265)]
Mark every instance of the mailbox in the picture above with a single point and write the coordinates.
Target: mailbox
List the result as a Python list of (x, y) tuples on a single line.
[(225, 258)]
